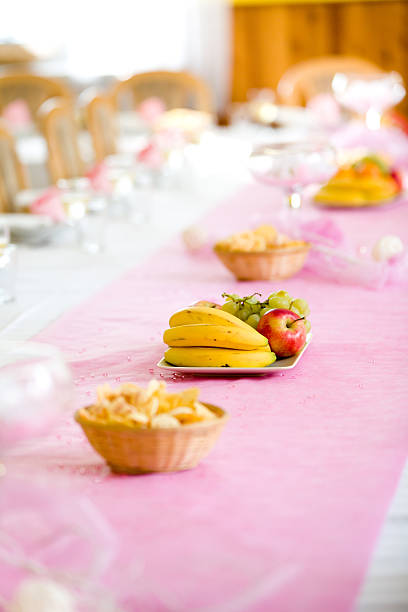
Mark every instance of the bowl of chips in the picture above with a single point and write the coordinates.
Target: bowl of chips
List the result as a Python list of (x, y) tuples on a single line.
[(138, 430), (262, 254)]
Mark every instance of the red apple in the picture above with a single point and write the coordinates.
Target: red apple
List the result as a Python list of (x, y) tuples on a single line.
[(285, 331)]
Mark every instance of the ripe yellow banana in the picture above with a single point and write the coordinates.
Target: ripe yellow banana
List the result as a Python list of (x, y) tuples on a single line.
[(203, 314), (219, 357), (221, 336)]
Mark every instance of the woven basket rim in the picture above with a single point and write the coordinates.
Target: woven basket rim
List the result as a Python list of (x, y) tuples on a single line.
[(276, 251), (221, 418)]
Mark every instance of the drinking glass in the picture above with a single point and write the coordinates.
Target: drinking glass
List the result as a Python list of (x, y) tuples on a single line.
[(75, 194), (262, 106), (4, 235), (369, 95), (35, 388), (8, 272), (293, 166), (85, 210)]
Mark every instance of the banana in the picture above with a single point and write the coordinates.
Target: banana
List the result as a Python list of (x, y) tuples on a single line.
[(218, 357), (221, 336), (203, 314)]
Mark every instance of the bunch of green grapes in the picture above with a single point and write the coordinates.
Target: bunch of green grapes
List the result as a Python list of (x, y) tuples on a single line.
[(282, 299), (250, 309)]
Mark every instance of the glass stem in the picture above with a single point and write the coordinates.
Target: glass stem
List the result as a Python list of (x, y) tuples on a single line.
[(294, 200)]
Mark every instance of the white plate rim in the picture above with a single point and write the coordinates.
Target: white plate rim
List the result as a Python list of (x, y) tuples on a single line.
[(219, 371)]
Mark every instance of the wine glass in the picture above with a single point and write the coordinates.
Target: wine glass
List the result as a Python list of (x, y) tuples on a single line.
[(293, 166), (85, 210), (262, 106), (35, 388), (368, 94), (8, 272), (4, 235)]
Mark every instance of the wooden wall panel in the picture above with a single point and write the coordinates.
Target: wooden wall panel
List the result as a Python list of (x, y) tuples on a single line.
[(270, 39)]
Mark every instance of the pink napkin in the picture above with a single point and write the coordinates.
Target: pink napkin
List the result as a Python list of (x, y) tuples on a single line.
[(388, 140), (99, 179), (151, 155), (49, 203), (17, 113), (154, 154), (336, 256), (151, 109)]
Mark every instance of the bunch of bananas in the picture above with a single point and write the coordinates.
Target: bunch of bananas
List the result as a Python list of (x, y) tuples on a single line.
[(200, 336)]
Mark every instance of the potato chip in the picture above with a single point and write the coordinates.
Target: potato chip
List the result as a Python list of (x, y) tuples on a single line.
[(186, 415), (188, 396), (131, 405), (258, 240), (204, 412), (164, 421)]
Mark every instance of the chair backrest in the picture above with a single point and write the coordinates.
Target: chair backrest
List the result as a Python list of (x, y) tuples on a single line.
[(31, 88), (176, 89), (12, 178), (100, 121), (303, 81), (60, 131)]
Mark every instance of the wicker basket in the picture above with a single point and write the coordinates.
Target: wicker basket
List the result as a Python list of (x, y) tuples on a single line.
[(274, 264), (136, 451)]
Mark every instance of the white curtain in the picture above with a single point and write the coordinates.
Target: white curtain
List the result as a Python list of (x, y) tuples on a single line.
[(121, 37)]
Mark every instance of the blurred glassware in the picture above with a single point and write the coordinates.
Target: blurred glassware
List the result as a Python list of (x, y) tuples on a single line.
[(180, 126), (128, 179), (92, 227), (85, 210), (293, 166), (368, 94), (4, 234), (8, 272), (35, 388), (261, 106), (75, 195), (56, 547)]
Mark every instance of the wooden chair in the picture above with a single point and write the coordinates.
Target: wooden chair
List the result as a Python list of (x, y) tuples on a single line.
[(31, 88), (176, 89), (100, 121), (305, 80), (58, 125), (12, 178)]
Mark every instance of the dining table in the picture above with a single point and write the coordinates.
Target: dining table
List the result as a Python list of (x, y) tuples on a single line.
[(302, 506)]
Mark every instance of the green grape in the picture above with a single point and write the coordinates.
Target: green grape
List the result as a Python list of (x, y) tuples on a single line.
[(244, 312), (300, 306), (284, 294), (308, 326), (296, 310), (279, 302), (253, 320), (255, 308), (263, 311), (251, 299), (231, 307)]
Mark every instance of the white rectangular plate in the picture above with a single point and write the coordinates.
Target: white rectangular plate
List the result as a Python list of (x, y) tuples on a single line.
[(280, 365)]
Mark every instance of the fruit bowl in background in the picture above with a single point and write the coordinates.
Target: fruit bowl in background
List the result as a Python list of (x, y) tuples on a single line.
[(273, 264), (136, 451)]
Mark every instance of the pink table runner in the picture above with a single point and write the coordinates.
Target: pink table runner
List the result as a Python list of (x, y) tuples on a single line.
[(285, 513)]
